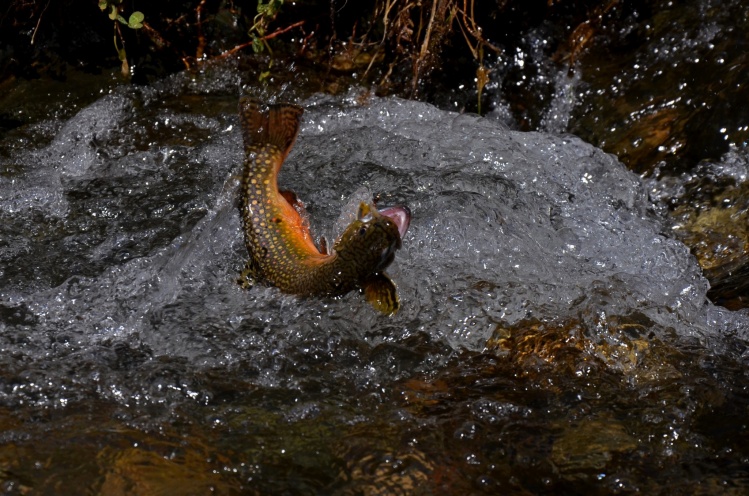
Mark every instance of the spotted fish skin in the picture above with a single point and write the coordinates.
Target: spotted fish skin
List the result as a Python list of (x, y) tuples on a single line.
[(281, 248)]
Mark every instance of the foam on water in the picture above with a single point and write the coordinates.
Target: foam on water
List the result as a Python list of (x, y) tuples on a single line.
[(540, 220), (506, 226)]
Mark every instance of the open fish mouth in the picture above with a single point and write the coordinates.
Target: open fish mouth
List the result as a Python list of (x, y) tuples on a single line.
[(401, 216)]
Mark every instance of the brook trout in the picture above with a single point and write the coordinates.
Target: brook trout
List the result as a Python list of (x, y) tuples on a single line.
[(282, 251)]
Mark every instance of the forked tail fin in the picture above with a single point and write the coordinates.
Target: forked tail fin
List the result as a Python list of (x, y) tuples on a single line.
[(277, 127)]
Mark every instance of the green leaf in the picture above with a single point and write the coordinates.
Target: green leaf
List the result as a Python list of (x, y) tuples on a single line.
[(103, 4), (257, 44), (271, 8), (121, 19), (136, 20), (112, 12)]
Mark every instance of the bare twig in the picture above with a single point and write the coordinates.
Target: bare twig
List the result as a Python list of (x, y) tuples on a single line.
[(200, 51), (39, 22), (264, 38), (154, 35)]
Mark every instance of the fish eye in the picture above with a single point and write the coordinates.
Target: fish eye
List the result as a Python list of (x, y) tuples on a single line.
[(362, 230)]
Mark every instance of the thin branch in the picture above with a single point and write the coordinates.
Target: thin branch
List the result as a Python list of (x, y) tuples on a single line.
[(201, 38), (424, 48), (264, 38), (39, 22)]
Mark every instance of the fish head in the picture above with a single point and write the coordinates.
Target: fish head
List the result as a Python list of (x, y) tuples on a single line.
[(369, 243)]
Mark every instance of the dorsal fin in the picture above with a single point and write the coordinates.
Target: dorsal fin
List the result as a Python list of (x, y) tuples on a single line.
[(278, 126)]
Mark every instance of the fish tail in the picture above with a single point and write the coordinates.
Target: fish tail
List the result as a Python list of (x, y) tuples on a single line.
[(277, 127)]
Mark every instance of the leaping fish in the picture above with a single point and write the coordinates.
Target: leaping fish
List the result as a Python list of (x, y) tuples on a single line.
[(281, 248)]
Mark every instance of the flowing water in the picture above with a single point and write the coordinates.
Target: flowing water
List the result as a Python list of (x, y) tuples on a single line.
[(552, 338)]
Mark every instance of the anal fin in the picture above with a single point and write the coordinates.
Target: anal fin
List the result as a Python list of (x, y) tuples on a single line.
[(291, 197)]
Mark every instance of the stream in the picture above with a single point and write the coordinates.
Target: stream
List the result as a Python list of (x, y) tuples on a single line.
[(553, 337)]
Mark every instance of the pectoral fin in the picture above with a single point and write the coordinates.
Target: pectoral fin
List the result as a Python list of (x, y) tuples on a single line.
[(323, 246), (380, 292)]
